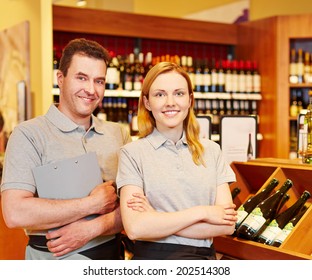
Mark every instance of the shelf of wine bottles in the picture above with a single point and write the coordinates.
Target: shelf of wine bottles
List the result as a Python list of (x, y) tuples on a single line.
[(121, 105), (222, 84), (274, 211), (300, 83)]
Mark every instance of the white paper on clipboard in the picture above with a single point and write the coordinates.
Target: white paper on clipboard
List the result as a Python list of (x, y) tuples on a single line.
[(68, 178)]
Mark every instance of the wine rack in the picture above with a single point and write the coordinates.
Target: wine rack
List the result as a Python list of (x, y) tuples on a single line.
[(199, 40), (251, 178)]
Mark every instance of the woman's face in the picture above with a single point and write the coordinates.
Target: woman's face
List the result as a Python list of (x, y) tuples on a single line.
[(169, 101)]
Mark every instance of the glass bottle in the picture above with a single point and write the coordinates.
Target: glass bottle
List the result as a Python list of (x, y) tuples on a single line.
[(263, 213), (280, 238), (307, 124), (55, 68), (252, 202), (235, 192), (278, 223), (249, 149)]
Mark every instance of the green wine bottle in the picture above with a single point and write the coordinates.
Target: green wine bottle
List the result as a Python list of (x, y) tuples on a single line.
[(288, 228), (252, 202), (264, 212), (278, 223)]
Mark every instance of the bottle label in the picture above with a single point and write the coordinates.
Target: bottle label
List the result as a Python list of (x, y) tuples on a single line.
[(137, 85), (112, 75), (128, 85), (254, 220), (256, 83), (234, 82), (228, 82), (293, 69), (284, 233), (249, 83), (214, 78), (198, 80), (221, 78), (300, 69), (241, 215), (270, 232)]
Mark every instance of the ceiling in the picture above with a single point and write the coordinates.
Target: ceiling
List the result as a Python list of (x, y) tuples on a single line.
[(226, 11)]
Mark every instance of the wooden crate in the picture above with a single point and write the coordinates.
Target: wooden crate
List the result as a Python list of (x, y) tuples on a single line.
[(252, 177)]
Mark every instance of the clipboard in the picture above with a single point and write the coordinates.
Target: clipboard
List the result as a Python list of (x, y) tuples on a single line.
[(69, 178)]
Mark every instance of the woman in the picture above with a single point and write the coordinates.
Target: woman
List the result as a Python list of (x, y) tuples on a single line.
[(174, 191)]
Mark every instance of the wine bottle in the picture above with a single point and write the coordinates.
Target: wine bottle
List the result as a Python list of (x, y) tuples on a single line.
[(280, 221), (234, 76), (293, 77), (206, 78), (55, 68), (307, 126), (138, 74), (307, 68), (253, 201), (198, 77), (282, 203), (221, 77), (228, 76), (190, 69), (300, 66), (293, 109), (288, 228), (129, 72), (264, 212), (250, 154), (249, 77), (256, 82), (241, 77), (285, 198), (214, 76), (235, 192), (112, 74)]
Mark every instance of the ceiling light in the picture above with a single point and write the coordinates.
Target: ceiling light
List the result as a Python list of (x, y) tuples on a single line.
[(81, 3)]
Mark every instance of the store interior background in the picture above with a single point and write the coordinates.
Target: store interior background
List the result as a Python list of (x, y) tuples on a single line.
[(39, 15)]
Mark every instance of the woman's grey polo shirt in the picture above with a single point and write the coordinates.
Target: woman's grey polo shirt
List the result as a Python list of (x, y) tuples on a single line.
[(169, 177)]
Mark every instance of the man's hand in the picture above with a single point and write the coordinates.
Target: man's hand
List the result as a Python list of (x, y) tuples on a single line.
[(69, 238), (105, 196)]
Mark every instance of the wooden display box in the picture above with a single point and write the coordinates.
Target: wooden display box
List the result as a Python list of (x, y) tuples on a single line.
[(251, 178)]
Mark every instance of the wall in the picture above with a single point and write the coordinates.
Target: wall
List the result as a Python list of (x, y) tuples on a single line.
[(268, 8), (39, 15)]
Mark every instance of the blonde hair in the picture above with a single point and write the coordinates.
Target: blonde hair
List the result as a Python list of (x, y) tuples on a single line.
[(146, 120)]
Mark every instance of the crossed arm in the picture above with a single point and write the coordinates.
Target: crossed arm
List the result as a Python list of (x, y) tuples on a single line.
[(142, 222)]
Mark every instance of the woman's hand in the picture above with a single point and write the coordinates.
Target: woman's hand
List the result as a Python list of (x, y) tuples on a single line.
[(221, 214), (139, 203)]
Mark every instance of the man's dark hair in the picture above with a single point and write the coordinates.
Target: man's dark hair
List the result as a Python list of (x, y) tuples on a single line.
[(85, 47)]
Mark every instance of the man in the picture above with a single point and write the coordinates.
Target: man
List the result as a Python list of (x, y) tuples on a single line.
[(67, 131)]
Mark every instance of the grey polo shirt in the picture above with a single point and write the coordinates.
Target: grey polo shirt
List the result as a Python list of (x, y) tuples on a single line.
[(52, 137), (169, 177)]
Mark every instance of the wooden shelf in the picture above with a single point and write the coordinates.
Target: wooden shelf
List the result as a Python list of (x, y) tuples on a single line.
[(268, 42), (304, 85), (251, 178), (142, 26)]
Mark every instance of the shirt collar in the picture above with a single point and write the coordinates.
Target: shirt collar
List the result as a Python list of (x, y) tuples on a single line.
[(65, 124), (157, 139)]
